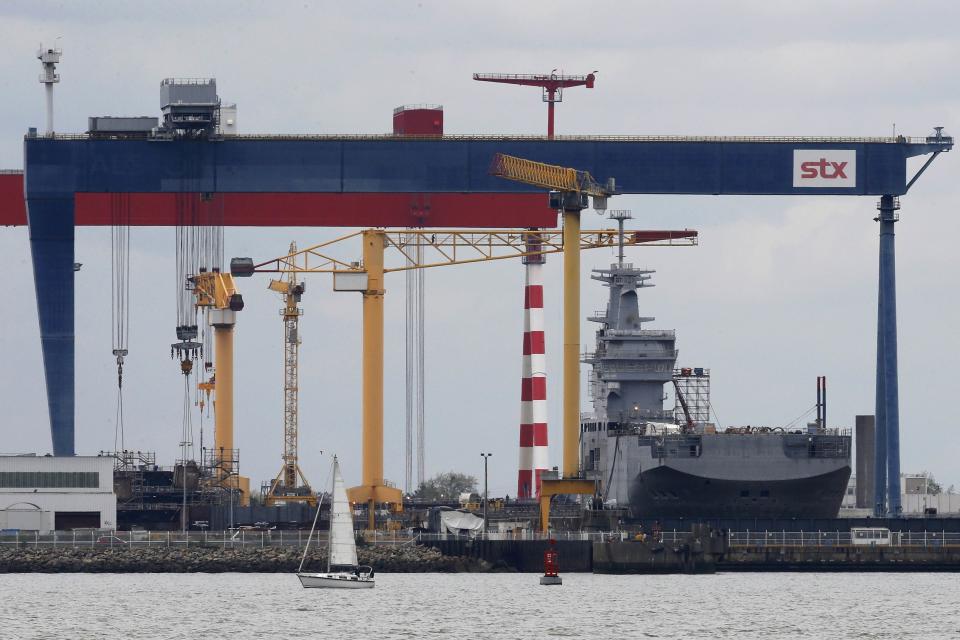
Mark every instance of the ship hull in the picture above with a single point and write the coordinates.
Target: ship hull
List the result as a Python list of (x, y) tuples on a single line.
[(728, 475), (667, 492), (340, 580)]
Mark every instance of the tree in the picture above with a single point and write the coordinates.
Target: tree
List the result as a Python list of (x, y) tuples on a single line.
[(446, 486), (933, 487)]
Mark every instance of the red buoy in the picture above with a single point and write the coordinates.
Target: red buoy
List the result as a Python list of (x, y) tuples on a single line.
[(551, 565)]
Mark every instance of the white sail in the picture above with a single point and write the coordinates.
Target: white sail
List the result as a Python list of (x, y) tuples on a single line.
[(343, 546)]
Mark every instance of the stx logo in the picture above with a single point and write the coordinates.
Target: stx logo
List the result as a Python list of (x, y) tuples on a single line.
[(814, 169), (824, 168)]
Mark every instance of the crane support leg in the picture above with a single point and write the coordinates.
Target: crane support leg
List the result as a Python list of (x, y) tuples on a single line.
[(373, 489), (52, 251), (880, 421), (571, 343), (887, 363), (223, 321), (561, 486), (372, 410)]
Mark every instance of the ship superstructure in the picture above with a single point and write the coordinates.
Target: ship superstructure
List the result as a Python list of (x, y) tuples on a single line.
[(630, 364), (674, 462)]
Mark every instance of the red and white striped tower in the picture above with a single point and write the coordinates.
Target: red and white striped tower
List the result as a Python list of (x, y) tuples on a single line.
[(533, 395)]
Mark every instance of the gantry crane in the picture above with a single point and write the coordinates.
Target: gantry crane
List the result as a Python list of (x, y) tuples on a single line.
[(285, 487), (439, 247), (570, 190)]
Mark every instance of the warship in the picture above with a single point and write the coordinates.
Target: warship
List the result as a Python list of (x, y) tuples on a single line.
[(675, 462)]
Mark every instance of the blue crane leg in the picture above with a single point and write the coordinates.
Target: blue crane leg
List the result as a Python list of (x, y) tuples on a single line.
[(891, 397), (880, 428), (51, 247)]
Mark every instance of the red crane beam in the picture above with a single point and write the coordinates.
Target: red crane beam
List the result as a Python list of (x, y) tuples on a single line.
[(296, 209), (13, 210)]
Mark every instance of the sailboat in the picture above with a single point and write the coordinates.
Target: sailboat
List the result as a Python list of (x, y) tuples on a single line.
[(343, 572)]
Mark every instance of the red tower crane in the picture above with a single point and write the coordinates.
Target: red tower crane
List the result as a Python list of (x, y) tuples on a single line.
[(533, 459), (551, 83)]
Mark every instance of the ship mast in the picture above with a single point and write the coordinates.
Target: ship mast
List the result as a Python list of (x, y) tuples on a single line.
[(620, 215)]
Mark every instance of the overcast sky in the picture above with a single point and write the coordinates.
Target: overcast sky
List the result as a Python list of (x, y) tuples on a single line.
[(779, 291)]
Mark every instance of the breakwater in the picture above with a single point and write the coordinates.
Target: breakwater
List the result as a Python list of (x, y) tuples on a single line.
[(214, 559), (700, 551)]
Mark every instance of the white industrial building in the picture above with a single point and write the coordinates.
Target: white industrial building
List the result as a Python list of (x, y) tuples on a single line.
[(915, 498), (44, 493)]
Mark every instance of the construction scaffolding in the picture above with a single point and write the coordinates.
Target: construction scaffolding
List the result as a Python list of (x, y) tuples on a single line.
[(149, 495), (692, 385)]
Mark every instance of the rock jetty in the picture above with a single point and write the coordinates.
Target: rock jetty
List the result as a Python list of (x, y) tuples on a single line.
[(217, 559)]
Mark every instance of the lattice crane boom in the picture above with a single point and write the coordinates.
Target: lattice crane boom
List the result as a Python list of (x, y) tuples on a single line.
[(448, 247), (548, 176)]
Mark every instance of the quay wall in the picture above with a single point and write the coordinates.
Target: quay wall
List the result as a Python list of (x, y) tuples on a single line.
[(850, 558), (518, 555)]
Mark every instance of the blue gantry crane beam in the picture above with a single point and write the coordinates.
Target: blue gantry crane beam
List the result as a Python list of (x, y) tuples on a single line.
[(404, 181)]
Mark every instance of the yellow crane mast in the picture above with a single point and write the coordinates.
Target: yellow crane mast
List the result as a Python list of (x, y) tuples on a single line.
[(439, 247), (286, 487)]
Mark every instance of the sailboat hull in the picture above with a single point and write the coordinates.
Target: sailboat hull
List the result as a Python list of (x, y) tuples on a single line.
[(334, 581)]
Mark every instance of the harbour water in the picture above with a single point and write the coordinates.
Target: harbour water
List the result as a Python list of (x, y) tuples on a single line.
[(240, 606)]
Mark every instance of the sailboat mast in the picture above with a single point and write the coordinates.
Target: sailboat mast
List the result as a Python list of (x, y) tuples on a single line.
[(336, 473), (312, 527)]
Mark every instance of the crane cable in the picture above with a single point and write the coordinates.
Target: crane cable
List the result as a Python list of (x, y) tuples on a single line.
[(799, 418), (120, 297), (186, 436)]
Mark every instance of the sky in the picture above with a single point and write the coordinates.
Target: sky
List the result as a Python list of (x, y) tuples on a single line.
[(779, 290)]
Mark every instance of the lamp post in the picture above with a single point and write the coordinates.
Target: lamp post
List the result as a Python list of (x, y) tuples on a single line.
[(485, 459)]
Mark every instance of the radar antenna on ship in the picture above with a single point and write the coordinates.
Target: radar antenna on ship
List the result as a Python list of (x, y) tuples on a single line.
[(620, 215)]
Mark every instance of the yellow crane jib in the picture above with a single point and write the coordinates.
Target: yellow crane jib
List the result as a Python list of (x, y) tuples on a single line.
[(549, 176)]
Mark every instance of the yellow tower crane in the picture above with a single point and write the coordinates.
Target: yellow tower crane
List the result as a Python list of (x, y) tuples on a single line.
[(569, 191), (285, 487), (438, 247), (218, 292)]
